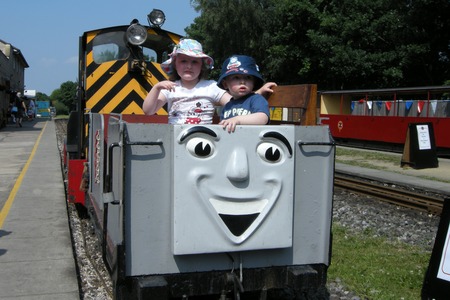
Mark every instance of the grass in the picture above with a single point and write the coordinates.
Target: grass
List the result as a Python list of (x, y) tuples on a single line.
[(359, 157), (374, 268)]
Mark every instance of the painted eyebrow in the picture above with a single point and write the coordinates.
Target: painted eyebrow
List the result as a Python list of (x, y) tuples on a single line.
[(279, 136), (197, 129)]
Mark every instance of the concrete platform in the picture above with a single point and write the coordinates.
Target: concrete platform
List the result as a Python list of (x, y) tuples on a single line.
[(36, 256), (429, 179)]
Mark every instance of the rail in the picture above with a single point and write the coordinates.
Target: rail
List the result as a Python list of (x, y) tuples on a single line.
[(398, 196)]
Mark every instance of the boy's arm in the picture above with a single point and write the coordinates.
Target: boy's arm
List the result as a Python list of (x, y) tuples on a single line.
[(258, 118), (266, 90)]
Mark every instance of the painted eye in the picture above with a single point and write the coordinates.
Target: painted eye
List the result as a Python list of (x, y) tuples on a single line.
[(270, 152), (200, 147)]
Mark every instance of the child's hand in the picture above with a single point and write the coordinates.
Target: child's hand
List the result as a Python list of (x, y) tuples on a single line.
[(230, 124), (267, 89), (166, 85)]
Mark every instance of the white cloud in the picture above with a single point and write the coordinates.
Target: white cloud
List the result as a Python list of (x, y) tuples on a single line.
[(48, 62), (72, 60)]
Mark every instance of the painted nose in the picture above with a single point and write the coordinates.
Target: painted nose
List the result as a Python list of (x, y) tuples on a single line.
[(237, 166)]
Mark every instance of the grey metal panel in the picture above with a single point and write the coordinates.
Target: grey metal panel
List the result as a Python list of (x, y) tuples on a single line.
[(149, 180), (147, 199), (115, 194), (314, 176)]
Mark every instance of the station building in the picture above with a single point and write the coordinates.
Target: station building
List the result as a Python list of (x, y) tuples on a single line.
[(12, 77)]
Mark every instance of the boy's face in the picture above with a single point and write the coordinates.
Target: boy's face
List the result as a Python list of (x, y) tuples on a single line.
[(239, 85)]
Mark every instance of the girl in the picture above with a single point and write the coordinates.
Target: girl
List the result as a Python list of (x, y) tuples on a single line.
[(190, 97)]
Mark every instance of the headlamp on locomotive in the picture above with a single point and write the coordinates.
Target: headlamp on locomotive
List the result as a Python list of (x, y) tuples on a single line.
[(136, 34), (117, 67), (156, 18)]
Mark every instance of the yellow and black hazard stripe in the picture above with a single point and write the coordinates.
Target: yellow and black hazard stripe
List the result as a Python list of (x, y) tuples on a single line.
[(111, 87)]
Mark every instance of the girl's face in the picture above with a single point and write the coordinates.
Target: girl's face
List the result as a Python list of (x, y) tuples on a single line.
[(239, 85), (188, 68)]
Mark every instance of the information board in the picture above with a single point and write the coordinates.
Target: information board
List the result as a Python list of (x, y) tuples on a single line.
[(419, 151)]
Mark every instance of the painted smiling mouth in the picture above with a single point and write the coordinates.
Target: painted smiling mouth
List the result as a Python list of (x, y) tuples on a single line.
[(238, 216), (238, 224)]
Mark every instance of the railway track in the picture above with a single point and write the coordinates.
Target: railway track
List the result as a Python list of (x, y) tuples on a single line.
[(94, 280), (398, 196)]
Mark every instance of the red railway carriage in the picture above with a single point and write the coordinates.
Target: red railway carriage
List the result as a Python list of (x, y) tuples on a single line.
[(379, 118)]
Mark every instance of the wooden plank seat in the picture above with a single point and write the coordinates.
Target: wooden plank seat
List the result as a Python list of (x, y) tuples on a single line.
[(293, 104)]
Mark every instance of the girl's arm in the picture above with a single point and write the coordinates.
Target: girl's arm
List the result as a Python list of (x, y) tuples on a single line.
[(267, 89), (155, 99), (224, 99)]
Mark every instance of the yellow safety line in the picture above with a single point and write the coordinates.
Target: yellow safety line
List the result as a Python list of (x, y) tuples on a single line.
[(5, 210)]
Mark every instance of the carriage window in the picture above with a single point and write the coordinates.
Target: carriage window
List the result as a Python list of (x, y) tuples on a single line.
[(108, 47)]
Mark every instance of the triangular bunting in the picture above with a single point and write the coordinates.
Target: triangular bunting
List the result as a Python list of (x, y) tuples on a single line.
[(420, 105), (409, 103), (388, 105)]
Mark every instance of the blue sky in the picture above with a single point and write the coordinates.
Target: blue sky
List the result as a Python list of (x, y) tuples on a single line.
[(47, 31)]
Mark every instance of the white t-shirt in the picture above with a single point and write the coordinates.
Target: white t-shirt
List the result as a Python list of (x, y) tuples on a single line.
[(193, 106)]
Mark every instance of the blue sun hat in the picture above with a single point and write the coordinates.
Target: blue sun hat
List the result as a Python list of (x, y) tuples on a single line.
[(241, 64), (190, 48)]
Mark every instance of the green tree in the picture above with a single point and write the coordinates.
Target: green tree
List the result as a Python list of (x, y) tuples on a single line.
[(64, 98), (358, 44), (428, 27), (336, 43), (66, 95), (227, 27), (42, 97), (369, 44), (288, 57)]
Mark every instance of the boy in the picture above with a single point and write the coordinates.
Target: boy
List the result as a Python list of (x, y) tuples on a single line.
[(240, 77)]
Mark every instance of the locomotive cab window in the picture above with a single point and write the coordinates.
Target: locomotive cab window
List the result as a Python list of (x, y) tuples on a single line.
[(157, 48), (150, 54), (109, 46)]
